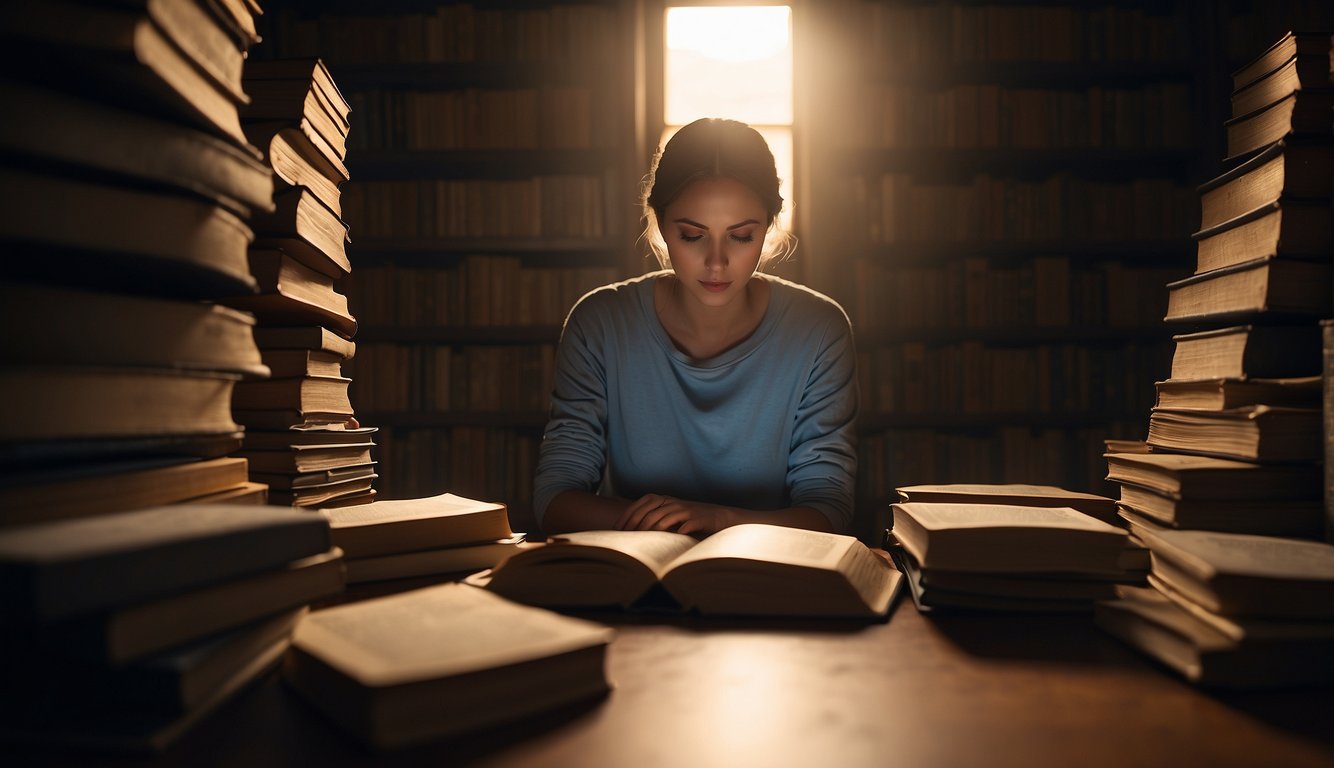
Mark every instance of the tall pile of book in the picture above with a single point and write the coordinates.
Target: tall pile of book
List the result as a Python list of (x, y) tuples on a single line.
[(301, 438), (1026, 548), (99, 656), (1230, 479), (127, 188)]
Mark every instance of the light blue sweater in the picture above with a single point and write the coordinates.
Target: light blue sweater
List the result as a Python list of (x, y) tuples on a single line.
[(767, 424)]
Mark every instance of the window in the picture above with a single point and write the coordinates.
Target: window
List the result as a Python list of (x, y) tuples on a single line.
[(735, 62)]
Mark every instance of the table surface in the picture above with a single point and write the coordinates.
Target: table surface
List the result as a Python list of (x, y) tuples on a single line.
[(917, 690)]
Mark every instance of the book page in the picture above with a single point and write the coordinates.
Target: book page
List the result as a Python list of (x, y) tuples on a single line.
[(1243, 554), (957, 516), (655, 549), (771, 543), (444, 505), (1011, 489), (438, 631)]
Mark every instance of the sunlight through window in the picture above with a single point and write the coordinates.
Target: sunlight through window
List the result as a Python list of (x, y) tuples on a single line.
[(733, 62)]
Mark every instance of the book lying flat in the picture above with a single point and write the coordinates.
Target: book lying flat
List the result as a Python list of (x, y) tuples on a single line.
[(1222, 394), (42, 324), (1311, 46), (405, 525), (1300, 113), (1243, 575), (308, 458), (307, 230), (931, 591), (317, 495), (77, 567), (298, 162), (117, 491), (65, 403), (1290, 168), (1250, 433), (1246, 351), (288, 482), (1146, 620), (172, 683), (308, 394), (243, 493), (293, 294), (1246, 629), (54, 126), (1204, 478), (1286, 228), (1021, 495), (144, 629), (120, 236), (289, 363), (308, 337), (457, 559), (1264, 286), (743, 570), (1001, 538), (274, 441), (1301, 70), (1302, 518), (440, 661)]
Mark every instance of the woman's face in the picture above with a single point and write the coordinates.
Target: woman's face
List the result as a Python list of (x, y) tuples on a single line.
[(714, 232)]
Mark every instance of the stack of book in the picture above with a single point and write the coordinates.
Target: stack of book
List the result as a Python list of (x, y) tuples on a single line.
[(100, 653), (1232, 610), (302, 439), (1235, 441), (127, 189), (1010, 548), (445, 534)]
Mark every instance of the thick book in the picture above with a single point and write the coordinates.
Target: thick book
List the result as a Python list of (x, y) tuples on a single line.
[(1264, 286), (75, 402), (351, 500), (288, 418), (1244, 575), (1291, 168), (1015, 494), (78, 567), (1296, 517), (289, 363), (146, 629), (392, 672), (1188, 476), (305, 69), (404, 525), (429, 562), (1286, 228), (171, 683), (249, 493), (1260, 433), (297, 481), (293, 100), (1248, 629), (1303, 45), (43, 324), (292, 293), (1010, 593), (164, 68), (308, 458), (59, 127), (1221, 394), (58, 497), (274, 441), (1148, 621), (748, 569), (18, 460), (318, 495), (1001, 538), (1301, 113), (307, 230), (138, 239), (1245, 351), (297, 162), (310, 337), (308, 394), (1303, 70), (135, 731)]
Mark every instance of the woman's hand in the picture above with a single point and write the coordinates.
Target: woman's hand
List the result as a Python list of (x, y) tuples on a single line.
[(654, 512)]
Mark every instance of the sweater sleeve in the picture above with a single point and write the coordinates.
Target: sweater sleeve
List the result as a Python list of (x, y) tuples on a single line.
[(573, 450), (822, 463)]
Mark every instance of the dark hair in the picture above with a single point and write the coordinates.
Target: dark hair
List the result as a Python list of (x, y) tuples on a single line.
[(708, 148)]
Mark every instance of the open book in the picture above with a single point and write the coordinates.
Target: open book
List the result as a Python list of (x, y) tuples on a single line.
[(747, 569)]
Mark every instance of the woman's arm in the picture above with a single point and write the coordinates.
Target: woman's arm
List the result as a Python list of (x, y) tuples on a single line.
[(575, 510), (654, 512)]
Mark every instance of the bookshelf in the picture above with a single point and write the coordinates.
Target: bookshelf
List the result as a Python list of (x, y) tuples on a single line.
[(493, 183), (1008, 189)]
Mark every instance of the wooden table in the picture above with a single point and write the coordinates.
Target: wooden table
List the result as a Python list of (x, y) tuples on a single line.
[(962, 690)]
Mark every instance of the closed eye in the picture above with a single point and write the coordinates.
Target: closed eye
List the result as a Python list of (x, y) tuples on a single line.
[(689, 238), (746, 238)]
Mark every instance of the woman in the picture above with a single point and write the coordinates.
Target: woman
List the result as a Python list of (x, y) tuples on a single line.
[(707, 394)]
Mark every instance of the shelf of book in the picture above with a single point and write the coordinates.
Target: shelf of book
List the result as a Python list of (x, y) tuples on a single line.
[(870, 423), (1174, 251), (462, 334), (395, 164), (1015, 335), (1033, 74), (456, 418), (1100, 163)]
